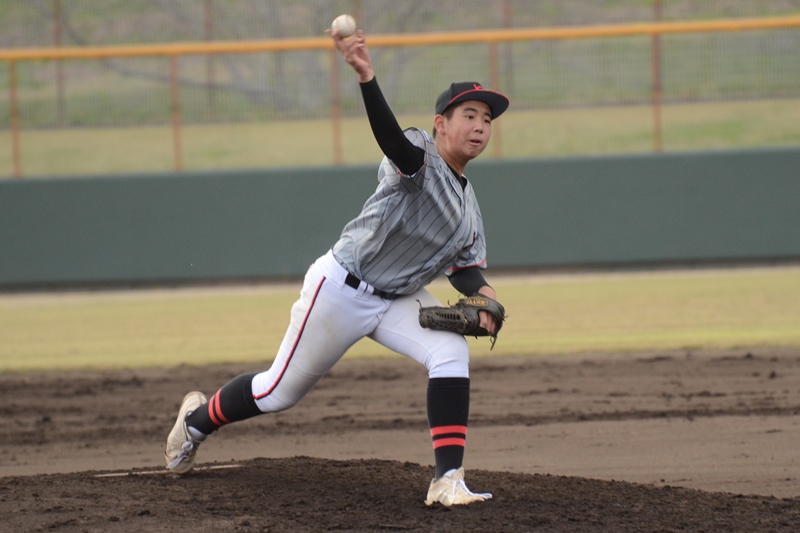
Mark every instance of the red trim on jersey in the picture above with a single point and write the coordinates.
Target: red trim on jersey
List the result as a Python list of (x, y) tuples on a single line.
[(294, 347), (455, 268), (441, 430), (215, 413), (438, 443)]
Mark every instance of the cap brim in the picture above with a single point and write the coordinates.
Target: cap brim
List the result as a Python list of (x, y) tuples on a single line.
[(496, 101)]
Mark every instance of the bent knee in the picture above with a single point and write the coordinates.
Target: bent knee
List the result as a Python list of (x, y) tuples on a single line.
[(450, 358), (276, 403)]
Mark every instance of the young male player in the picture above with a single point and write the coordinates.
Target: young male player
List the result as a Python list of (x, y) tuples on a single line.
[(422, 221)]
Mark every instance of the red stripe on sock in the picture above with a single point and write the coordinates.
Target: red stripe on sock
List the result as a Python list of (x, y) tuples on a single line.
[(215, 412), (294, 347), (441, 430), (454, 441)]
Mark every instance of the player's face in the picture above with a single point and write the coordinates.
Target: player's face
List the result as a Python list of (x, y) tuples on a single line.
[(470, 128)]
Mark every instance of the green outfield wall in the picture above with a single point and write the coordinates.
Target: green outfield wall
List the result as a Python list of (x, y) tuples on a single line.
[(573, 212)]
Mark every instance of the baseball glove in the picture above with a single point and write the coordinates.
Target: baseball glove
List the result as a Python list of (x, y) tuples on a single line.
[(463, 317)]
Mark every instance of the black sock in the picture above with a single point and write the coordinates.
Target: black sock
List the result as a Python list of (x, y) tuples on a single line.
[(448, 414), (233, 402)]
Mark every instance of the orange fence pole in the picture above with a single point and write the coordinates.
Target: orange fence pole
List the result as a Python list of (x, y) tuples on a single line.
[(12, 95), (57, 33), (508, 22), (658, 145), (176, 112), (336, 109), (208, 15), (497, 130)]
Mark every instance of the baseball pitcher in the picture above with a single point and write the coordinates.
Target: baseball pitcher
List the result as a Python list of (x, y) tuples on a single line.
[(422, 221)]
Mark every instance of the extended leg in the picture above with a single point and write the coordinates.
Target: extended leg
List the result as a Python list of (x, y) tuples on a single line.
[(328, 318)]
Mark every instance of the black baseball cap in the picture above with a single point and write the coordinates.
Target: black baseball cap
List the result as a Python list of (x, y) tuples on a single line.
[(471, 90)]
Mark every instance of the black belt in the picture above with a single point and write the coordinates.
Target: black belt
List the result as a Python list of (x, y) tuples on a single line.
[(352, 281)]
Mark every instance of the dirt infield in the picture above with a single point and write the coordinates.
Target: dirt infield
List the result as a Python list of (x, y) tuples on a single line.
[(640, 442)]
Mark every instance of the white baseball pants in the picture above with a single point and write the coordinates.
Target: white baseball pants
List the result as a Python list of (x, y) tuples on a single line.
[(330, 317)]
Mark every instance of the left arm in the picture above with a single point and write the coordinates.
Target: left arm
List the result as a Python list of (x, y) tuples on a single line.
[(470, 281)]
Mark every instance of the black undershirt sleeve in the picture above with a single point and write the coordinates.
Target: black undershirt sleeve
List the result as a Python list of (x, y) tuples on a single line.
[(393, 143), (467, 281)]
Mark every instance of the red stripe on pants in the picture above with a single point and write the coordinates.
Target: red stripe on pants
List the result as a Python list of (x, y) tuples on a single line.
[(294, 346)]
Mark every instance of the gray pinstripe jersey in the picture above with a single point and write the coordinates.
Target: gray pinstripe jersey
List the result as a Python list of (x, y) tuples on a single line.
[(414, 228)]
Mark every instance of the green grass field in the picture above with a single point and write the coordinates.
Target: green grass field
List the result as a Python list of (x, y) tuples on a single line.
[(548, 314), (525, 134)]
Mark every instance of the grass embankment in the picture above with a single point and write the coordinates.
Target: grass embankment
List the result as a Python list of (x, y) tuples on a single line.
[(645, 311)]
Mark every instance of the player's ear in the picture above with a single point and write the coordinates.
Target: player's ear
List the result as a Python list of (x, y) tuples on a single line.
[(439, 123)]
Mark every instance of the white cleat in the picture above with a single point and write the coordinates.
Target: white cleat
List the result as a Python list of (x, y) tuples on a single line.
[(181, 449), (450, 489)]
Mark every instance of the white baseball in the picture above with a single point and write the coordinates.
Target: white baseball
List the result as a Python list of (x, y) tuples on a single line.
[(345, 25)]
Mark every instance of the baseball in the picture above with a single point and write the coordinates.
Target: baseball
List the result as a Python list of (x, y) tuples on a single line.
[(345, 25)]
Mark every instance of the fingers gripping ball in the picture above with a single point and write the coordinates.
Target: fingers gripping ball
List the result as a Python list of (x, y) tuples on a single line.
[(345, 25), (463, 317)]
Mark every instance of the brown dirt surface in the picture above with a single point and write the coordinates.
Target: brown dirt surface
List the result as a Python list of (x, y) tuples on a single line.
[(637, 442)]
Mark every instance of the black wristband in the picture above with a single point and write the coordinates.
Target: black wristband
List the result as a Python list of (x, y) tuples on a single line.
[(467, 281)]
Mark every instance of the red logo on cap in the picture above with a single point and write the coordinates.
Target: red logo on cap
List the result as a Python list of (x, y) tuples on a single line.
[(477, 87)]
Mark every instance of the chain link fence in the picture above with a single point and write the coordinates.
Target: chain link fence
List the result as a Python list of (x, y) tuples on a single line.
[(569, 96)]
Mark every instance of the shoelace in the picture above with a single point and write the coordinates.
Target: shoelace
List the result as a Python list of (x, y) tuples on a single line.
[(186, 451)]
